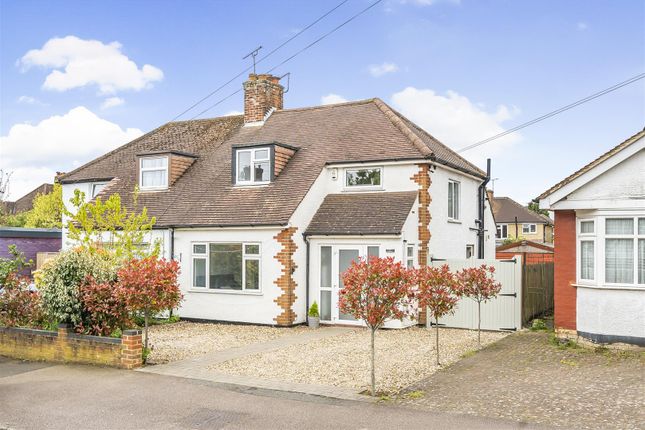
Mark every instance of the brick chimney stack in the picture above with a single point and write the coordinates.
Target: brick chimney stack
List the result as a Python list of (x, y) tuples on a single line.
[(261, 94)]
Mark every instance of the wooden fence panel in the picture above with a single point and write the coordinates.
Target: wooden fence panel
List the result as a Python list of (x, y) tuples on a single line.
[(537, 290)]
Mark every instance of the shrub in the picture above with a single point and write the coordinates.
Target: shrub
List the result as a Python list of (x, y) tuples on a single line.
[(20, 307), (63, 277), (104, 308), (313, 310), (12, 266), (150, 286)]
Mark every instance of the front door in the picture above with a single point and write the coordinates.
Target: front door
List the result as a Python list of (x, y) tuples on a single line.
[(334, 260)]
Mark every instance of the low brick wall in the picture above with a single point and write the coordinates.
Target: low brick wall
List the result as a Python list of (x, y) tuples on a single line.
[(65, 346)]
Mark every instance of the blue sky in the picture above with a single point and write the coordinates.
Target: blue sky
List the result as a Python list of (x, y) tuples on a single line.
[(464, 70)]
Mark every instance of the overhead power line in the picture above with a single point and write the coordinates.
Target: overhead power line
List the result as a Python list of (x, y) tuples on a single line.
[(329, 33), (556, 112), (216, 90)]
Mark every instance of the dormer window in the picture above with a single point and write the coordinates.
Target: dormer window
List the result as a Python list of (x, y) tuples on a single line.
[(253, 166), (153, 173)]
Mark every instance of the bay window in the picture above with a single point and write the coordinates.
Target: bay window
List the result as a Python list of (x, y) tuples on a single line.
[(226, 266)]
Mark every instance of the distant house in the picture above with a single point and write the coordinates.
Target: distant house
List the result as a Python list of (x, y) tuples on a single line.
[(26, 202), (515, 221), (531, 252), (600, 246), (265, 210)]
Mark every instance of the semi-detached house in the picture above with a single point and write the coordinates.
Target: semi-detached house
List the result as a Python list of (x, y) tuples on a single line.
[(265, 210)]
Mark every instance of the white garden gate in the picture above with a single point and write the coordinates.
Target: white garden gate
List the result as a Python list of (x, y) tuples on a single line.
[(502, 313)]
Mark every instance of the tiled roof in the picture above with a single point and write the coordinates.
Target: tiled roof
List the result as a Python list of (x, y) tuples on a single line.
[(26, 202), (615, 150), (362, 213), (505, 210), (366, 130)]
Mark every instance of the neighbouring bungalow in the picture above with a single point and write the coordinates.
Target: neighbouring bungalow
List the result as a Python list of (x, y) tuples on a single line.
[(26, 202), (265, 210), (600, 246), (516, 222)]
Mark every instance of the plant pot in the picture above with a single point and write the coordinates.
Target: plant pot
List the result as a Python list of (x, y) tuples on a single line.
[(314, 322)]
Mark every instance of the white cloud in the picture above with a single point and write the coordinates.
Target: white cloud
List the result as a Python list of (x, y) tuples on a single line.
[(332, 98), (77, 63), (378, 70), (582, 26), (112, 102), (28, 100), (456, 121), (58, 143)]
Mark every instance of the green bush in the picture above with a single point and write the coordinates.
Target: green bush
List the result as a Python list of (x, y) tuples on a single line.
[(62, 278), (313, 310), (538, 324), (13, 265)]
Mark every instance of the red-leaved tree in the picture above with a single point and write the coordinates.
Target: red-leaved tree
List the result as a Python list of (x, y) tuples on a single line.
[(478, 283), (149, 285), (375, 291), (104, 308), (437, 292)]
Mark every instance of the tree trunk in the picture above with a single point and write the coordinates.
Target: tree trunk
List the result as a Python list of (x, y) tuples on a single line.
[(436, 324), (145, 319), (479, 325), (373, 372)]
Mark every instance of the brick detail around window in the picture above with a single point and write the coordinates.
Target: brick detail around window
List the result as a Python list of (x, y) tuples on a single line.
[(422, 178), (285, 282)]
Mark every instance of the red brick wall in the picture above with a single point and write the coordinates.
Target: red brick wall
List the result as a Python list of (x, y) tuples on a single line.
[(565, 270), (529, 257)]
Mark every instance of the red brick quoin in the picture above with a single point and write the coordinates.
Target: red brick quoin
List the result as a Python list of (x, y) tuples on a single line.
[(422, 178), (565, 270), (286, 282)]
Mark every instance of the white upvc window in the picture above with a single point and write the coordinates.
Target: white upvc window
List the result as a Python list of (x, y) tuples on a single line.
[(229, 266), (253, 166), (364, 178), (502, 231), (97, 188), (529, 228), (611, 251), (586, 250), (409, 256), (153, 173), (454, 200)]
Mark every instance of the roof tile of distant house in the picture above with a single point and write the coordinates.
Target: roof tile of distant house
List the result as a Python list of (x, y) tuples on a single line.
[(355, 214), (363, 131), (506, 210), (26, 202), (615, 150)]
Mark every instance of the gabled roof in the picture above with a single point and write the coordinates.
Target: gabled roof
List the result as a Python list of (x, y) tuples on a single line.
[(361, 214), (607, 155), (526, 246), (363, 131), (506, 210), (26, 202)]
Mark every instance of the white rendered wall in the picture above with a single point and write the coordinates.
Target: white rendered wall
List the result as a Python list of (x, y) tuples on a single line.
[(613, 312), (449, 238)]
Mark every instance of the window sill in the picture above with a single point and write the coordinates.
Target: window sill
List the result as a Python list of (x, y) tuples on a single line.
[(454, 221), (631, 287), (258, 184), (153, 190), (230, 292), (359, 189)]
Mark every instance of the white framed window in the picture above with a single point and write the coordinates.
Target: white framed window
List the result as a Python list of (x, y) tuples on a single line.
[(454, 200), (619, 251), (153, 173), (470, 251), (371, 177), (409, 256), (587, 250), (502, 231), (253, 166), (529, 228), (97, 188), (230, 266)]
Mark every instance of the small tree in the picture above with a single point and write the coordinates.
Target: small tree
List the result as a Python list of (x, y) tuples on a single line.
[(376, 291), (478, 283), (47, 211), (437, 291), (150, 286)]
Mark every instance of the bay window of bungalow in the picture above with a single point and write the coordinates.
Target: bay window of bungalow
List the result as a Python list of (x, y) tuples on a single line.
[(253, 166), (226, 266)]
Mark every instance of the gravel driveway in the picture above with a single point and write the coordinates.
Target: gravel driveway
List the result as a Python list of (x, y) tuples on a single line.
[(402, 356), (173, 342), (525, 378)]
